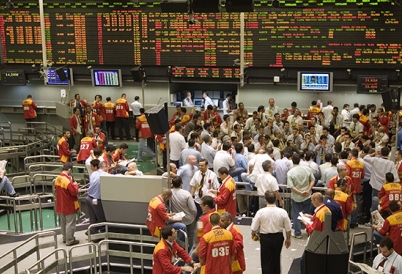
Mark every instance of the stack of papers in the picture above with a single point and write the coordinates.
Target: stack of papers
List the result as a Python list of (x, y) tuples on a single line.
[(366, 268), (377, 219), (3, 164), (304, 218), (126, 162), (178, 216)]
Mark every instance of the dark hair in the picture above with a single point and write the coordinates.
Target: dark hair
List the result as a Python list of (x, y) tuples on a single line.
[(250, 148), (75, 109), (334, 160), (389, 177), (203, 161), (296, 159), (208, 201), (195, 135), (108, 99), (394, 206), (341, 182), (226, 146), (176, 182), (167, 231), (110, 148), (142, 110), (338, 147), (387, 242), (266, 165), (223, 170), (354, 152), (275, 142), (191, 142), (214, 218), (343, 155), (124, 146), (98, 152), (67, 166), (207, 125), (287, 154), (309, 155), (239, 147), (136, 98), (384, 151), (210, 107), (95, 163), (270, 197), (356, 116), (327, 157), (177, 126)]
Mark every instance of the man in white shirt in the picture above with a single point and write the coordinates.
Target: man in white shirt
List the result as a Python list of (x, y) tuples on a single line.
[(226, 104), (330, 172), (207, 151), (354, 111), (135, 107), (203, 181), (226, 158), (207, 100), (295, 119), (345, 115), (356, 127), (266, 182), (327, 111), (95, 154), (250, 121), (177, 144), (272, 109), (388, 261), (188, 102), (255, 169), (132, 170)]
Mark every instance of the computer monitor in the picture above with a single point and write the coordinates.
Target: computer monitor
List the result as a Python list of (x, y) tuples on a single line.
[(178, 104), (198, 102), (216, 102)]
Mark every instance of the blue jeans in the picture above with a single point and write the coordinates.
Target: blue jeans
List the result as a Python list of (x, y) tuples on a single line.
[(142, 147), (305, 207), (179, 226), (374, 200), (5, 183), (236, 172), (246, 179), (377, 236)]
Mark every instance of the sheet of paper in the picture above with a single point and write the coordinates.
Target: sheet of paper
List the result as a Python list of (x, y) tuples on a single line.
[(178, 215), (304, 218), (366, 268)]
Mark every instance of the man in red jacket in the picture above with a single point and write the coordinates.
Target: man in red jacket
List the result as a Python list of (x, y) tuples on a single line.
[(239, 262), (63, 150), (76, 127), (67, 204), (389, 192), (122, 109), (226, 195), (145, 135), (167, 249), (91, 119), (29, 107), (88, 143)]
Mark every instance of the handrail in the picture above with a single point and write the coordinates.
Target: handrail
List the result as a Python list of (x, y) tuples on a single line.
[(55, 264), (123, 253), (352, 243), (91, 256), (17, 259)]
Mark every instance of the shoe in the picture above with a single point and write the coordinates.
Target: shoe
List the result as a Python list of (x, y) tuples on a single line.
[(16, 194), (75, 242), (296, 236), (353, 225), (86, 232)]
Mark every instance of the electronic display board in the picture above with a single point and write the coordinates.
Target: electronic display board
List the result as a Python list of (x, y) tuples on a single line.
[(205, 72), (97, 33), (13, 77), (106, 77), (372, 84)]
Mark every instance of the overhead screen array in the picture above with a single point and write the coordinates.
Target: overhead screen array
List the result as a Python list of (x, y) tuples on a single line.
[(79, 34)]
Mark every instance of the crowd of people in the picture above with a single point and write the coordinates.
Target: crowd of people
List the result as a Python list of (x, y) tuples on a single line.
[(346, 151)]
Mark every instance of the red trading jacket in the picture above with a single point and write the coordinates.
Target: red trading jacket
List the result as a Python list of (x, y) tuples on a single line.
[(162, 258), (333, 184), (389, 192), (29, 107), (87, 144), (143, 126), (74, 124), (239, 262), (156, 216), (217, 248), (94, 121), (118, 156), (226, 199), (345, 201), (100, 107), (203, 224), (66, 195), (318, 219), (62, 150), (399, 169), (100, 140), (356, 171), (393, 227), (110, 112), (122, 108)]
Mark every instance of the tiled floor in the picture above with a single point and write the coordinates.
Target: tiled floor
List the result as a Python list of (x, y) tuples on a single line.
[(251, 248)]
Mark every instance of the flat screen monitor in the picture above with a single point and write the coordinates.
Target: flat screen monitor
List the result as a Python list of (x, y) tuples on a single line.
[(178, 104), (13, 77), (54, 79), (308, 81), (198, 102), (216, 102), (106, 77), (372, 84)]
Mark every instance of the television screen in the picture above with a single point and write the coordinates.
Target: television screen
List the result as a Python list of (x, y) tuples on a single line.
[(314, 81), (13, 77), (54, 79), (198, 102), (372, 84), (106, 77)]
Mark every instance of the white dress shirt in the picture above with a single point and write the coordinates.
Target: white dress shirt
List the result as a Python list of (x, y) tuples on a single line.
[(327, 113), (271, 111), (256, 162), (208, 153), (379, 167), (207, 102), (226, 106), (135, 107), (281, 169), (223, 159), (266, 182), (188, 102), (210, 182), (177, 144), (394, 260), (271, 219)]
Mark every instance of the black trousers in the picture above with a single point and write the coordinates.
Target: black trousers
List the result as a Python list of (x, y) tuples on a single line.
[(271, 247), (136, 129), (121, 123), (366, 195), (96, 213), (110, 129)]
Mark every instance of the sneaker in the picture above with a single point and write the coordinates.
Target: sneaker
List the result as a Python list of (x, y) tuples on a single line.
[(75, 242), (15, 194), (296, 236)]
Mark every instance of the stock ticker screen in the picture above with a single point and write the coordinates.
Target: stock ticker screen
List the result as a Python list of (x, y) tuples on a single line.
[(105, 34)]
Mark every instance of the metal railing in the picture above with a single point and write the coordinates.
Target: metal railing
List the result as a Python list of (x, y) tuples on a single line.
[(90, 256), (21, 253), (352, 245), (45, 267)]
